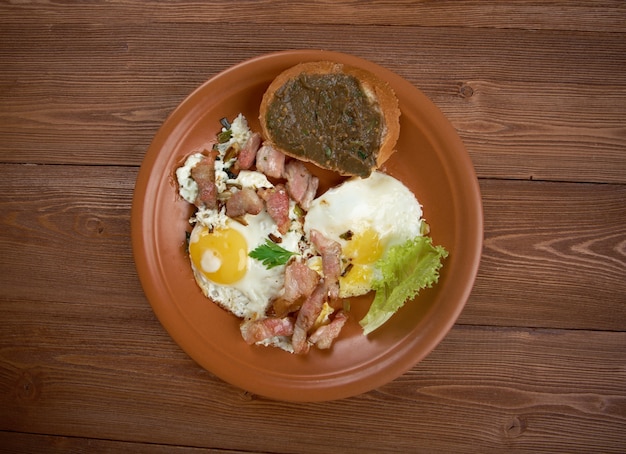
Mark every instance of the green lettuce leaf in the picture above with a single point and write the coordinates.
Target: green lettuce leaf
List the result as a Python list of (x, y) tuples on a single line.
[(405, 269)]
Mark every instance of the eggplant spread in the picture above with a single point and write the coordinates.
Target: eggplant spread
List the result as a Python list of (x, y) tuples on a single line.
[(327, 119)]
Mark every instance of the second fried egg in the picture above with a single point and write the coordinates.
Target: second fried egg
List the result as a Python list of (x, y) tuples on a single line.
[(366, 216)]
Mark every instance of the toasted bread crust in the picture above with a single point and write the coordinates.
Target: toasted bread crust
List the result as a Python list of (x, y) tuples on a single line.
[(374, 88)]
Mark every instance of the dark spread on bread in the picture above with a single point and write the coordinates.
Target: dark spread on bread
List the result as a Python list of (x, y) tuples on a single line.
[(327, 118)]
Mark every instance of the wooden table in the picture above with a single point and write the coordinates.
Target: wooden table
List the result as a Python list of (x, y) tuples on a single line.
[(537, 360)]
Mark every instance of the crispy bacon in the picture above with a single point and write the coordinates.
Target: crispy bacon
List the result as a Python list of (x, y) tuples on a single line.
[(254, 331), (300, 281), (277, 204), (270, 161), (248, 153), (242, 202), (330, 251), (203, 173), (301, 184), (307, 315), (324, 336)]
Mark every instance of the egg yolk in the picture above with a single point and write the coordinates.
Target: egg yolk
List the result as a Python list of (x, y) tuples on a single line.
[(363, 250), (221, 255), (364, 247)]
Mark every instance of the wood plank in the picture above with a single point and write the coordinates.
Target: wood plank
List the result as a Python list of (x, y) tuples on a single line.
[(537, 361), (541, 131), (511, 104), (610, 16), (495, 390), (66, 232), (20, 443), (551, 249)]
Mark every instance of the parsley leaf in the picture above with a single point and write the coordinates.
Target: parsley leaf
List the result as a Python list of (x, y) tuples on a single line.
[(271, 254)]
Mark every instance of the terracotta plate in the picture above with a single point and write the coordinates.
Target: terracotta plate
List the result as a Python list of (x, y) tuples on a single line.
[(431, 161)]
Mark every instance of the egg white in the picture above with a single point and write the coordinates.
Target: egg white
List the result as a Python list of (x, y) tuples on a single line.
[(379, 202), (187, 187)]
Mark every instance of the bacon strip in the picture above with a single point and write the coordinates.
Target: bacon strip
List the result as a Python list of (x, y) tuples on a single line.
[(301, 184), (330, 251), (307, 315), (203, 173), (324, 336), (242, 202), (254, 331), (248, 153), (277, 204), (270, 161), (300, 281)]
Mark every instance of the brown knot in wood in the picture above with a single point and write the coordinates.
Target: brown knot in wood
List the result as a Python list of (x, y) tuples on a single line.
[(28, 387), (465, 91), (514, 427)]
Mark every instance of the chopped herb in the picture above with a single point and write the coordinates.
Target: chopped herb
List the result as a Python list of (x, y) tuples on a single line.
[(224, 136), (232, 152), (224, 121), (298, 211), (187, 241), (347, 235), (275, 238), (271, 254)]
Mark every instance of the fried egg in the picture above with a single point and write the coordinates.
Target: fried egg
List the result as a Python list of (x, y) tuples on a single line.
[(219, 246), (227, 274), (366, 216)]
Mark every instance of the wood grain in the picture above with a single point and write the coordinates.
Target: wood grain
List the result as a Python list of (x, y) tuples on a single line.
[(527, 15), (552, 249), (67, 229), (551, 107), (520, 389), (19, 443), (537, 361)]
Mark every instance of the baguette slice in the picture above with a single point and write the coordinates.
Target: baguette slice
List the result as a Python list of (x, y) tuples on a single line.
[(304, 116)]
